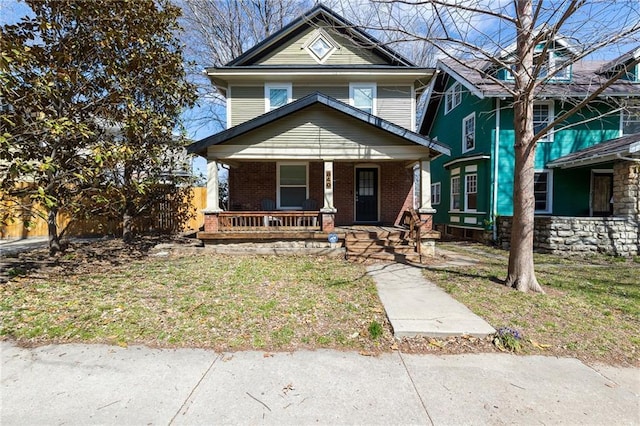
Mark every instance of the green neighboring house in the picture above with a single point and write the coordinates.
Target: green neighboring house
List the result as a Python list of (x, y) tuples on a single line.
[(472, 113)]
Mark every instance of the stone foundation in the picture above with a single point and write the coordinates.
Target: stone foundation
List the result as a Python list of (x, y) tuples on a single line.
[(579, 235)]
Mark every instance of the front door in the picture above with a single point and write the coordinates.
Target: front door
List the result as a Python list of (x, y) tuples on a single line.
[(602, 194), (367, 195)]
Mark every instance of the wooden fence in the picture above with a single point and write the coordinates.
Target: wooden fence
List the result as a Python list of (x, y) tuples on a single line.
[(161, 219)]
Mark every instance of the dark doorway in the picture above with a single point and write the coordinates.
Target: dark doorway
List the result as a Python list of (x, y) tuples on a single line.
[(367, 195)]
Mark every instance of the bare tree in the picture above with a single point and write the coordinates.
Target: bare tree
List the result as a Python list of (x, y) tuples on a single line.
[(218, 31), (513, 35)]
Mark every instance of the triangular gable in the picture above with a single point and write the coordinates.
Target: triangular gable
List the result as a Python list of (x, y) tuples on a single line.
[(355, 115), (292, 40)]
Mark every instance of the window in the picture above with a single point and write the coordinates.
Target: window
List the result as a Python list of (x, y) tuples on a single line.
[(542, 192), (552, 62), (630, 119), (417, 196), (276, 95), (321, 48), (471, 192), (452, 97), (435, 193), (292, 185), (469, 132), (363, 96), (542, 116), (455, 193)]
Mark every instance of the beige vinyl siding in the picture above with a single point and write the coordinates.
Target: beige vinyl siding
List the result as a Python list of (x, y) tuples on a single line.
[(317, 133), (394, 104), (247, 102), (340, 93), (293, 53)]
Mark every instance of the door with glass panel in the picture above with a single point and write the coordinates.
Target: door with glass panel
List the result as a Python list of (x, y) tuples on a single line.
[(366, 195)]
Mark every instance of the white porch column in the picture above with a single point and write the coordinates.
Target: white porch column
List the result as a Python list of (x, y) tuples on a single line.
[(425, 186), (213, 204), (328, 188)]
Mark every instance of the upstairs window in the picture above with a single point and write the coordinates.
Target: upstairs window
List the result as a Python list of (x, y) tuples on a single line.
[(321, 46), (452, 97), (542, 116), (469, 132), (276, 95), (363, 96), (630, 118), (552, 62)]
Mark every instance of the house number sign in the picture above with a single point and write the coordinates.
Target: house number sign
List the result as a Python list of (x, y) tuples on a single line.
[(328, 179)]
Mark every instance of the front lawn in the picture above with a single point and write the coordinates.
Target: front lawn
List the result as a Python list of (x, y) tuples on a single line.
[(205, 300), (591, 309)]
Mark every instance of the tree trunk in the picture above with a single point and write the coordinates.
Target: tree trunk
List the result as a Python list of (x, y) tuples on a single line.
[(521, 274), (127, 223), (52, 226)]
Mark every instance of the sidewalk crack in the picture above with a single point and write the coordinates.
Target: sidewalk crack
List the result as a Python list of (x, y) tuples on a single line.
[(415, 388), (186, 401)]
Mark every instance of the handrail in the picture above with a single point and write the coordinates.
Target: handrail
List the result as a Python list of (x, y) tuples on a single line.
[(415, 227)]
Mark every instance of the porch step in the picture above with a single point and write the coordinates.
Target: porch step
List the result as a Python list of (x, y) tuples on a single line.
[(392, 245)]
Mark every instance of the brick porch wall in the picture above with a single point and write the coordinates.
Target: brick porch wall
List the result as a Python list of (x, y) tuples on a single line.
[(396, 191), (250, 182)]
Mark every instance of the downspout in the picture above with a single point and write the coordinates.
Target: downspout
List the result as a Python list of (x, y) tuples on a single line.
[(494, 196)]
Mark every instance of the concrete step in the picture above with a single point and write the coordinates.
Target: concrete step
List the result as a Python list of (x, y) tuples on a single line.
[(377, 235), (363, 244), (381, 249), (390, 256)]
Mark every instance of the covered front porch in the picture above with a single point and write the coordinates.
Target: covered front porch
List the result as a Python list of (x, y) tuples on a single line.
[(314, 165)]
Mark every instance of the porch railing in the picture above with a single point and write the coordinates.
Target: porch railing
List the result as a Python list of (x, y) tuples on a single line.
[(269, 220)]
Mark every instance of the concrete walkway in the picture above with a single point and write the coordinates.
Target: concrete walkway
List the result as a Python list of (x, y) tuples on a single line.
[(98, 384), (417, 307)]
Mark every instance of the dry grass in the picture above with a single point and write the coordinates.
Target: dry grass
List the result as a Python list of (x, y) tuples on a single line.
[(591, 309), (228, 303)]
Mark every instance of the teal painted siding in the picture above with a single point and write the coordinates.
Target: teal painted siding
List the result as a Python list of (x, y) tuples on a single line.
[(582, 130), (448, 129)]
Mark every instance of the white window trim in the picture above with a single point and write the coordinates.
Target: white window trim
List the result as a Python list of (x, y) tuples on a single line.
[(451, 192), (551, 61), (464, 136), (320, 33), (622, 111), (549, 209), (353, 86), (451, 93), (436, 201), (466, 208), (550, 134), (288, 163), (267, 89)]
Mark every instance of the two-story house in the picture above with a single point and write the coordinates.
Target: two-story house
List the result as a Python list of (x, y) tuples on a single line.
[(321, 133), (470, 109)]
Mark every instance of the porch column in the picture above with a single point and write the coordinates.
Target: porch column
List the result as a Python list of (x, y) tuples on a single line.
[(425, 187), (328, 210), (212, 209), (213, 203)]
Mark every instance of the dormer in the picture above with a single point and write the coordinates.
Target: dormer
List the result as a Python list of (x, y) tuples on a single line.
[(627, 62), (554, 56)]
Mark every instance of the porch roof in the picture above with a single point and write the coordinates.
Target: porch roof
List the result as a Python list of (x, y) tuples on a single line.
[(626, 147), (436, 148)]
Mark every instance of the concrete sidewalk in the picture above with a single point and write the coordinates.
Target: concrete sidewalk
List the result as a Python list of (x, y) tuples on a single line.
[(98, 384), (417, 307)]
